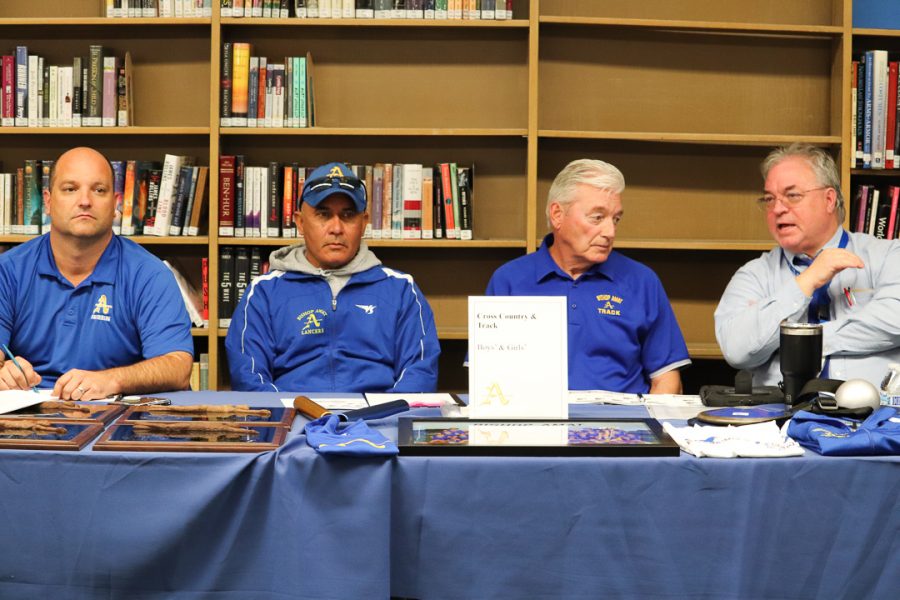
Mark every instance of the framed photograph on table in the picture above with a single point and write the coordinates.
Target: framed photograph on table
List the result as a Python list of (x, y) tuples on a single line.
[(534, 437)]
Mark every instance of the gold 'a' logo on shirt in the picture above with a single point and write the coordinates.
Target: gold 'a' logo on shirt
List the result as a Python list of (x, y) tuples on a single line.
[(335, 172), (312, 321), (609, 305), (101, 309)]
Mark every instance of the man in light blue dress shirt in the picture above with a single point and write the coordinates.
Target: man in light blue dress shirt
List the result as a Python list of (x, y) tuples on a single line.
[(850, 282)]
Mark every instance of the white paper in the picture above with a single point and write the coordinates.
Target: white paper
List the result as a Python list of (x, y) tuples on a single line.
[(415, 400), (332, 402), (518, 434), (604, 397), (11, 400), (518, 363)]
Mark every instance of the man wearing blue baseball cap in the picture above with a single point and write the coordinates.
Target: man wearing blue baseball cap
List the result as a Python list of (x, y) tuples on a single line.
[(330, 316)]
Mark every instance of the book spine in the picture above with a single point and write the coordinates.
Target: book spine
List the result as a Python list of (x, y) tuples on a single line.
[(275, 181), (21, 119), (447, 185), (179, 201), (204, 371), (287, 200), (252, 88), (128, 199), (204, 289), (862, 201), (894, 192), (883, 216), (225, 107), (465, 202), (189, 203), (226, 285), (197, 209), (94, 116), (867, 127), (241, 275), (375, 195), (77, 91), (412, 201), (397, 203), (46, 167), (427, 203), (438, 203), (50, 96), (240, 206), (891, 109), (240, 84), (872, 210), (226, 195), (854, 93), (261, 94), (8, 114), (122, 108), (879, 108), (118, 167), (18, 222), (860, 109), (35, 79), (154, 177), (65, 95)]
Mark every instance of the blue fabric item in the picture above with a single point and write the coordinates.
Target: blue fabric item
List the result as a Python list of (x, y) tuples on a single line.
[(878, 435), (861, 339), (128, 310), (328, 435), (334, 178), (377, 336), (622, 331)]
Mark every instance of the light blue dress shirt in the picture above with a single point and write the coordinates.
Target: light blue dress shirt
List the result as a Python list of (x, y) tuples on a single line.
[(863, 335)]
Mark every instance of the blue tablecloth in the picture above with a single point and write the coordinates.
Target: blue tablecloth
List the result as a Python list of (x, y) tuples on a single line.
[(292, 524)]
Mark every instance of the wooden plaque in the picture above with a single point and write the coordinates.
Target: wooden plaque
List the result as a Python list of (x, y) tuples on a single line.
[(124, 437), (277, 416), (74, 436), (68, 411)]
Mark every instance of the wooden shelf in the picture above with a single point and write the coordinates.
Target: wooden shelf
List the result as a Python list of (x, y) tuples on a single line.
[(102, 21), (104, 131), (701, 26), (199, 331), (245, 241), (144, 240), (710, 245), (374, 131), (864, 32), (461, 23), (876, 172), (725, 139)]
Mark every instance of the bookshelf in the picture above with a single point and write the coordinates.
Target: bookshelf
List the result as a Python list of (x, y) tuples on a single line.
[(685, 97)]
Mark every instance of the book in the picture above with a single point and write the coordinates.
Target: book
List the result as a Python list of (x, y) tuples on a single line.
[(252, 92), (226, 195), (118, 168), (240, 90), (882, 216), (879, 107), (94, 115), (397, 203), (226, 285), (154, 177), (77, 91), (125, 117), (241, 273), (128, 197), (225, 105), (204, 289), (860, 109), (375, 195), (240, 206), (8, 98), (872, 210), (204, 371), (411, 190), (21, 118), (894, 192), (185, 181), (274, 189), (891, 109), (46, 167), (310, 92), (448, 185), (199, 203), (386, 197), (466, 187), (427, 203), (437, 203)]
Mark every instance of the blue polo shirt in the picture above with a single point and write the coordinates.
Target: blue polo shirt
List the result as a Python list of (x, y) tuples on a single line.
[(128, 310), (622, 330)]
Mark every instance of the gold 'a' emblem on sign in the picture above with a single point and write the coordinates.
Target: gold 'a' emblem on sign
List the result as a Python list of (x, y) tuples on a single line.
[(335, 172), (102, 305), (495, 393)]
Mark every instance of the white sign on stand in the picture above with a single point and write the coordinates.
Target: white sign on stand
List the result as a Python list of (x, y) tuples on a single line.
[(518, 363)]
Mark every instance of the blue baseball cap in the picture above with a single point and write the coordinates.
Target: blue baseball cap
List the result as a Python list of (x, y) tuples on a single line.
[(330, 179)]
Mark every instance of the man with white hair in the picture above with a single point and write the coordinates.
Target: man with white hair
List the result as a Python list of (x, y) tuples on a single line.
[(818, 273), (622, 333)]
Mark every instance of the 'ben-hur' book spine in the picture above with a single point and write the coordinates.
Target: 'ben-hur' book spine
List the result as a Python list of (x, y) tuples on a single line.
[(226, 85), (226, 196)]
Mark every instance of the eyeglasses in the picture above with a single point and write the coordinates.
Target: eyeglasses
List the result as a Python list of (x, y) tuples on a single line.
[(351, 183), (767, 202)]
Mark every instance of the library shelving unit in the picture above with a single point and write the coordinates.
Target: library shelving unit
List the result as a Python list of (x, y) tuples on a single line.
[(685, 97)]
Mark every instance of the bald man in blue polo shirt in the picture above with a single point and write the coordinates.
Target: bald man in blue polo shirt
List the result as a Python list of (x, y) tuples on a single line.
[(622, 334), (84, 311)]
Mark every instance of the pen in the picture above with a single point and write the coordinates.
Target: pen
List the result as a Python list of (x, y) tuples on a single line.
[(849, 296), (15, 362)]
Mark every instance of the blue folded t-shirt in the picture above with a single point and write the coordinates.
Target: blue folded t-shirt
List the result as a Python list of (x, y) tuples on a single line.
[(328, 435)]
